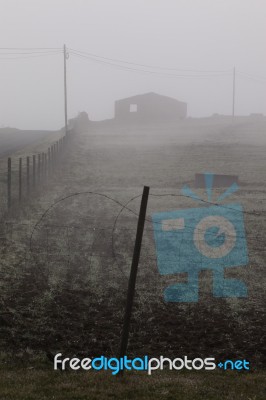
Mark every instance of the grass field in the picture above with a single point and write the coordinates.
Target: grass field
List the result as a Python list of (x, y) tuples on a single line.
[(66, 254), (31, 384)]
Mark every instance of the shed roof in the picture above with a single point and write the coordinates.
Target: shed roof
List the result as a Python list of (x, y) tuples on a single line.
[(148, 95)]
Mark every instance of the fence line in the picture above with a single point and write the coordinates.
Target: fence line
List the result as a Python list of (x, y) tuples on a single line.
[(31, 172)]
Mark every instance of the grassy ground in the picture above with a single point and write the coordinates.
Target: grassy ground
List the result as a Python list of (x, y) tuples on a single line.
[(41, 384), (64, 264)]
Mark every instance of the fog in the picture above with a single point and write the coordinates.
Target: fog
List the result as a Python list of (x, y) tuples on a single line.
[(184, 49)]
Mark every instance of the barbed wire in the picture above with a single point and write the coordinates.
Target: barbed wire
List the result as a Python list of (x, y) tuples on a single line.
[(68, 256)]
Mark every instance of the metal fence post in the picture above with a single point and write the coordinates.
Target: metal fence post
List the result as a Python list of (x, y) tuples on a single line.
[(133, 272)]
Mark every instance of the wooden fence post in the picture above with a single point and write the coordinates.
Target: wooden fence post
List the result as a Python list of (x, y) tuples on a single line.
[(49, 161), (9, 183), (45, 166), (52, 157), (20, 179), (39, 168), (56, 155), (28, 175), (34, 170), (42, 167)]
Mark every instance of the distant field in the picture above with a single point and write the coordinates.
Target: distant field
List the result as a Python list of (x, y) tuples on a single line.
[(65, 264)]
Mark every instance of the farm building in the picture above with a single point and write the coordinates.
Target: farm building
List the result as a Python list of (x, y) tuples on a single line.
[(149, 107)]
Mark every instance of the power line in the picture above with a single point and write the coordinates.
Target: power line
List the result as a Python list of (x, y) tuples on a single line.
[(21, 58), (252, 77), (140, 70), (30, 48), (29, 52), (28, 56), (91, 55), (198, 73), (131, 66)]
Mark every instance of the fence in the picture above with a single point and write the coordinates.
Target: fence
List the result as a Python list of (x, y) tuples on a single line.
[(25, 175), (70, 269)]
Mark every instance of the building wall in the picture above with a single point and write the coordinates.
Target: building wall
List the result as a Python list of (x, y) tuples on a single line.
[(149, 108)]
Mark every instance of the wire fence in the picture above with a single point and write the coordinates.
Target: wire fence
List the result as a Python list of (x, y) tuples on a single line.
[(77, 255), (22, 176), (70, 266)]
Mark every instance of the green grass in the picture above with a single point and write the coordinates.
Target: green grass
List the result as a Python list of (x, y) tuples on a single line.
[(42, 384)]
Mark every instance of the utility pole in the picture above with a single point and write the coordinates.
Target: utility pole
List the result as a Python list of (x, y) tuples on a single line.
[(65, 87), (234, 91)]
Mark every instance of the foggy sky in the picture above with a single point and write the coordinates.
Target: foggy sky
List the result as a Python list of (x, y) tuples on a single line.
[(181, 34)]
